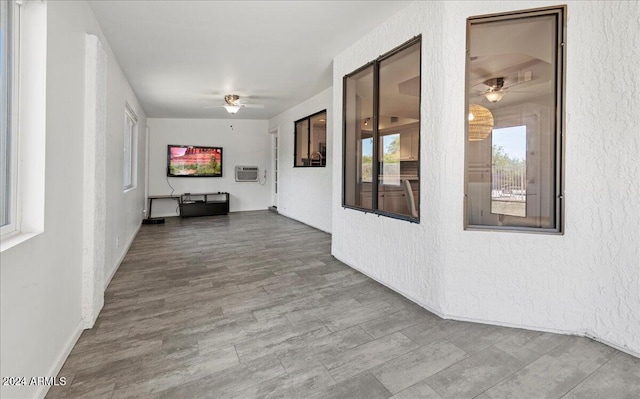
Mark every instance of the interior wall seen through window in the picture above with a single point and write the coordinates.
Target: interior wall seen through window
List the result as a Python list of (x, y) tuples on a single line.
[(382, 149), (513, 167), (311, 140)]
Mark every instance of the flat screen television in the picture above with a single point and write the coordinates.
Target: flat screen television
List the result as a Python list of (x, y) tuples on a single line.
[(194, 161)]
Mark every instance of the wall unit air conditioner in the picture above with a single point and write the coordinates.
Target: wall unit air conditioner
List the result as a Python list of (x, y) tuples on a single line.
[(246, 173)]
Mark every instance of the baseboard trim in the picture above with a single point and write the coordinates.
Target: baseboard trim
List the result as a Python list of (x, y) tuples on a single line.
[(62, 357), (409, 297), (124, 254), (624, 349), (583, 333), (57, 366), (586, 334), (310, 225)]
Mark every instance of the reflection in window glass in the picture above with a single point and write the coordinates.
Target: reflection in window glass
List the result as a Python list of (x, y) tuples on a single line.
[(311, 140), (367, 159), (302, 143), (358, 141), (508, 171), (398, 127), (381, 150), (390, 171), (318, 140), (513, 144)]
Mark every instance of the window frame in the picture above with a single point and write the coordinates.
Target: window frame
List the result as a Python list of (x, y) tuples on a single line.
[(10, 188), (131, 140), (560, 12), (375, 182), (29, 124), (295, 139)]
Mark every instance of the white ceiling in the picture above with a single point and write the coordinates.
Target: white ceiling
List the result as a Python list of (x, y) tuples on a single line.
[(181, 56)]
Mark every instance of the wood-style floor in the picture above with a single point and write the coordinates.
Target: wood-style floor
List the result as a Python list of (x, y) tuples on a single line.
[(252, 305)]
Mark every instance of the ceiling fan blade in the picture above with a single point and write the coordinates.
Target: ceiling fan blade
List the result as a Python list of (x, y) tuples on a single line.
[(514, 84), (480, 86), (232, 100)]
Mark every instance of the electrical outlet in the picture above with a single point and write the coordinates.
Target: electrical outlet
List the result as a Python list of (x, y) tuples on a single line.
[(118, 242)]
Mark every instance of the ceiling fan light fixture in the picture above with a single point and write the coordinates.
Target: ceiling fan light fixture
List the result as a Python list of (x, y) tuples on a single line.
[(231, 98), (232, 109), (494, 96), (232, 104)]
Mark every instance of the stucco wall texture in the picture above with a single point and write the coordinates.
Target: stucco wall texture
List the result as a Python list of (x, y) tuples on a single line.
[(311, 205), (584, 282)]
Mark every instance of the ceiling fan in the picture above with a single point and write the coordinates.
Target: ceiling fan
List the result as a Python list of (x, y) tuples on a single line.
[(495, 88), (233, 104)]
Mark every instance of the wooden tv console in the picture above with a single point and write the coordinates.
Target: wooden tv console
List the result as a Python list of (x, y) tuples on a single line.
[(204, 204)]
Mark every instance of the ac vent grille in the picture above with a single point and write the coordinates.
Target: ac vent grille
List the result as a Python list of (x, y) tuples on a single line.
[(246, 173)]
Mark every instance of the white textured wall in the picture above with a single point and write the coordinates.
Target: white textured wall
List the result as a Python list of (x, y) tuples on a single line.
[(124, 209), (304, 194), (246, 144), (41, 294), (583, 282), (94, 171)]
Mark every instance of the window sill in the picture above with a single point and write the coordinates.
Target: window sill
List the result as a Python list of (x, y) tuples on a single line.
[(513, 229), (389, 215), (13, 239)]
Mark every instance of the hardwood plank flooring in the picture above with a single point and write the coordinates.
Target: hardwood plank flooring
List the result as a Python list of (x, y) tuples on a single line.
[(252, 305)]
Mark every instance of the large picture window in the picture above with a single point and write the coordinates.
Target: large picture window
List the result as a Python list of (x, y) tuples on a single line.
[(515, 64), (311, 140), (382, 134), (23, 71)]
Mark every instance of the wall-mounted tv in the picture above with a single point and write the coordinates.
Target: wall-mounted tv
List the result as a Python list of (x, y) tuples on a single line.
[(194, 161)]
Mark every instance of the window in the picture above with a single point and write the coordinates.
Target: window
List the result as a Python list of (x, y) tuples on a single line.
[(515, 118), (9, 21), (23, 71), (130, 140), (311, 140), (382, 134)]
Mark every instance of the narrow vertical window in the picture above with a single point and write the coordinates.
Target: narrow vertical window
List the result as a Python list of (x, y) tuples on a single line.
[(130, 140), (275, 155), (358, 139), (8, 114), (382, 134), (514, 120), (311, 140)]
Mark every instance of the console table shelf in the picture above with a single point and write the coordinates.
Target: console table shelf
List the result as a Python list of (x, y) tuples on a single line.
[(204, 204), (160, 197)]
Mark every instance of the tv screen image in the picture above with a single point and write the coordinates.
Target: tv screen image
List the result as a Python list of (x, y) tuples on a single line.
[(194, 161)]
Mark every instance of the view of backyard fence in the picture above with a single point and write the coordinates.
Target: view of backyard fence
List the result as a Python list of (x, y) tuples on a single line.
[(509, 189)]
